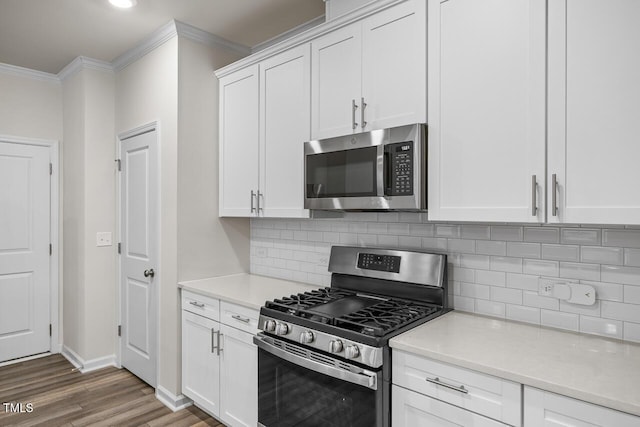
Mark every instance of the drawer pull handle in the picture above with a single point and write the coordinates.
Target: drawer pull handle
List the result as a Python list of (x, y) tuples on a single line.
[(438, 381), (242, 319), (197, 304)]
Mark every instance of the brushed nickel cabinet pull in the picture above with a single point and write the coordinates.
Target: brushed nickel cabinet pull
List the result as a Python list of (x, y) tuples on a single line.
[(252, 196), (240, 318), (534, 188), (197, 304), (354, 107), (438, 381), (363, 105), (554, 195)]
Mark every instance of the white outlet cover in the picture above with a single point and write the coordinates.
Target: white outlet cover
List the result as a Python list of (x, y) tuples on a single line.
[(103, 238)]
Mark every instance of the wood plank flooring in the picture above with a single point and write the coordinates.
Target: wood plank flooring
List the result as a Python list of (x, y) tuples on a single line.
[(61, 396)]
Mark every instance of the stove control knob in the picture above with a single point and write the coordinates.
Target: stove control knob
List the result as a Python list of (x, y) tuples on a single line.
[(306, 337), (282, 329), (270, 326), (351, 352), (335, 346)]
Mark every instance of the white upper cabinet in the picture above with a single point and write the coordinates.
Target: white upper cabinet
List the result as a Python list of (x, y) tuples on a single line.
[(486, 77), (594, 111), (335, 87), (370, 74), (239, 142), (284, 127)]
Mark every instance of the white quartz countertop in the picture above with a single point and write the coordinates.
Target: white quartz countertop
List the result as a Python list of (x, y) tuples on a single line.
[(249, 290), (586, 367)]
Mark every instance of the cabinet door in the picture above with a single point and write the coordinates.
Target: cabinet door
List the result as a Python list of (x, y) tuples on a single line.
[(200, 363), (285, 89), (238, 142), (239, 382), (486, 110), (409, 408), (336, 61), (542, 408), (594, 64), (394, 61)]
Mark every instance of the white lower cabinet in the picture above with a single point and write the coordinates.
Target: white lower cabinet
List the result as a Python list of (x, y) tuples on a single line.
[(542, 408), (219, 359), (411, 409)]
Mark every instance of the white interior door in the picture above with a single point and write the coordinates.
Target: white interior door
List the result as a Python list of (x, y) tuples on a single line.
[(24, 250), (139, 280)]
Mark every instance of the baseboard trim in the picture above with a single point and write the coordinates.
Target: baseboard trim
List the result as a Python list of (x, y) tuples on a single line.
[(171, 401), (85, 366)]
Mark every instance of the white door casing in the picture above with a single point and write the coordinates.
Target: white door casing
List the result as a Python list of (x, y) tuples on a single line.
[(139, 220), (25, 233)]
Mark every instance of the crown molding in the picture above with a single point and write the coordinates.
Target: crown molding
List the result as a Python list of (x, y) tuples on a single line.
[(14, 70), (308, 35), (154, 40), (83, 62), (201, 36), (289, 33)]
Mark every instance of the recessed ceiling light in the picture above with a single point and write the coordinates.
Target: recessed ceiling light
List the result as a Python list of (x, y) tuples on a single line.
[(125, 4)]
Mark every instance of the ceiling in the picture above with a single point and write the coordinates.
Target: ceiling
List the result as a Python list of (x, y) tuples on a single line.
[(46, 35)]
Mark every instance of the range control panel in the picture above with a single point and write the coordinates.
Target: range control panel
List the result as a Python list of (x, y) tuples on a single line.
[(399, 169), (389, 263)]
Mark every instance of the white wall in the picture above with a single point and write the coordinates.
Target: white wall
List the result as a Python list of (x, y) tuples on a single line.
[(89, 273), (147, 91), (493, 268)]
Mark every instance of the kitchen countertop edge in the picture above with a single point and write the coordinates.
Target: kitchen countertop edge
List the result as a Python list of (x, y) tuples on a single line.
[(400, 343)]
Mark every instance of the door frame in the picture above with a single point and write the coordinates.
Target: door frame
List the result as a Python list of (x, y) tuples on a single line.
[(55, 345), (148, 127)]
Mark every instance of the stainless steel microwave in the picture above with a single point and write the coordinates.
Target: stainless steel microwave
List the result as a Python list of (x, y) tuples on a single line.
[(371, 171)]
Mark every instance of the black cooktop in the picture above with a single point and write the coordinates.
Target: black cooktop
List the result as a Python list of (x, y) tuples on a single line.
[(371, 315)]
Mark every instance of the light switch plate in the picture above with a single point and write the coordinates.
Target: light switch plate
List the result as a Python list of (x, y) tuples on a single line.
[(103, 238)]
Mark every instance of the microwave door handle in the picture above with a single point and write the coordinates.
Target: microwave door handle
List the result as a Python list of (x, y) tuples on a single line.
[(382, 170)]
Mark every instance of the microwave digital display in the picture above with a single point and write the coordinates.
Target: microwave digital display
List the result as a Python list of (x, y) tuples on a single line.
[(399, 169)]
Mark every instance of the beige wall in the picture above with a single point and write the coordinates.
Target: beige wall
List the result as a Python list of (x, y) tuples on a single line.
[(147, 91), (207, 245), (89, 272)]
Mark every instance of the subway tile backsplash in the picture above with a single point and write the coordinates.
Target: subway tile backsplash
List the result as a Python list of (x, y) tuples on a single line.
[(493, 268)]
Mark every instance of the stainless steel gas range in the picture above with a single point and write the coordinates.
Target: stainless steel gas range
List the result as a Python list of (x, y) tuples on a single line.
[(323, 355)]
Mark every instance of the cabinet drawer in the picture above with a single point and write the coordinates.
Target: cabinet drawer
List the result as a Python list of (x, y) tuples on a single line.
[(409, 408), (202, 305), (549, 409), (485, 394), (237, 316)]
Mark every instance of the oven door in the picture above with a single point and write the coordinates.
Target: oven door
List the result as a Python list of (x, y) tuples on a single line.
[(303, 388)]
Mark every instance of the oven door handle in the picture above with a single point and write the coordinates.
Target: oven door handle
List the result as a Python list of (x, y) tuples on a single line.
[(362, 377)]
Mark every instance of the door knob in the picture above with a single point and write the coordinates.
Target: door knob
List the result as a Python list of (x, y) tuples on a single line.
[(149, 273)]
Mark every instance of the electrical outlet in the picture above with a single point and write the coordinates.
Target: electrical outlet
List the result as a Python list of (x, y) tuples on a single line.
[(545, 286), (103, 238)]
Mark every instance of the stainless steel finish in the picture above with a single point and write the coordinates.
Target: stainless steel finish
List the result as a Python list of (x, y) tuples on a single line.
[(306, 337), (218, 347), (439, 382), (363, 104), (415, 267), (197, 304), (369, 355), (259, 194), (282, 329), (351, 352), (252, 196), (213, 346), (149, 273), (554, 195), (270, 326), (335, 346), (354, 107), (317, 362), (534, 190), (418, 201), (240, 318)]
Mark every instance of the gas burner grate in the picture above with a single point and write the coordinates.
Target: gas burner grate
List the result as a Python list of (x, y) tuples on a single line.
[(384, 317), (295, 304)]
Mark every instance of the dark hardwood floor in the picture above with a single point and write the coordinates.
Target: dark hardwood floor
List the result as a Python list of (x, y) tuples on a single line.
[(60, 396)]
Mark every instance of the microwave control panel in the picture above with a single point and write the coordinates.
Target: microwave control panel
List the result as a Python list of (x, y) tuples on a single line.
[(399, 169)]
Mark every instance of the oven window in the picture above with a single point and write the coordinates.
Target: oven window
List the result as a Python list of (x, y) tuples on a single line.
[(348, 173), (290, 395)]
